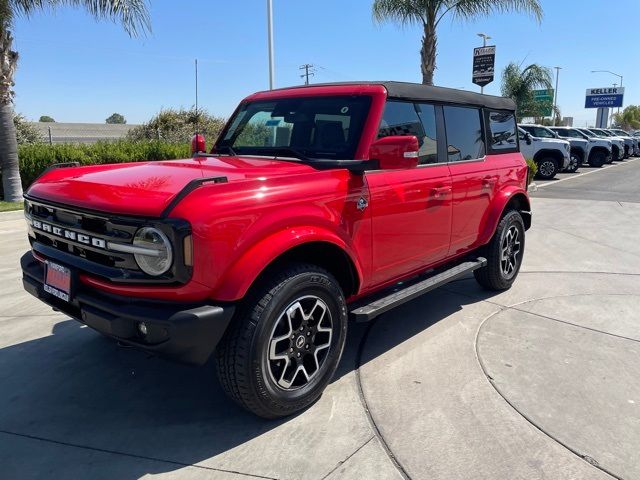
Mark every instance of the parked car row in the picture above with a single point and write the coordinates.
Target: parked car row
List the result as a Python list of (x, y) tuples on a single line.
[(565, 149)]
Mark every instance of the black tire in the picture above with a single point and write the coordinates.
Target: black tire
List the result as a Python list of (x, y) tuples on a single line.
[(615, 155), (494, 276), (547, 168), (245, 363), (598, 159)]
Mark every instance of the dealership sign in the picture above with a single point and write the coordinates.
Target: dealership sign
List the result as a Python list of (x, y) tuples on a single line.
[(604, 97), (484, 59)]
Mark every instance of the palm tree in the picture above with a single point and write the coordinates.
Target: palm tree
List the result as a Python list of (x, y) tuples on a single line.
[(133, 16), (429, 14), (519, 84)]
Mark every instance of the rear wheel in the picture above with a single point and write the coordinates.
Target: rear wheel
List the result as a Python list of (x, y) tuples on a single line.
[(281, 352), (504, 254), (547, 168)]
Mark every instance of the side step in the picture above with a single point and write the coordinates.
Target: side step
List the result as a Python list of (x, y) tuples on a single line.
[(378, 306)]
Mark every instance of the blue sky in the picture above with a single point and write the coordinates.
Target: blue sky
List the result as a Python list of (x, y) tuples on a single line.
[(79, 70)]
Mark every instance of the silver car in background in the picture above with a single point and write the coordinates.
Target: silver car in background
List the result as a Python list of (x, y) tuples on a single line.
[(598, 150)]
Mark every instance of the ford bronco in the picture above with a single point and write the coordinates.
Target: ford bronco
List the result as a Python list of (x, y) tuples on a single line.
[(315, 205)]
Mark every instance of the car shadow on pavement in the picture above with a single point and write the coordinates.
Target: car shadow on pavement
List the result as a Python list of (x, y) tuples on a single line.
[(77, 388)]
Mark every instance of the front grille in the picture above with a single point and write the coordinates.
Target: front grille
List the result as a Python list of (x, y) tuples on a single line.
[(94, 226), (80, 239)]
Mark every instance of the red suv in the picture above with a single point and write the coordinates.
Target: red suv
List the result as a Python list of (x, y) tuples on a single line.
[(314, 203)]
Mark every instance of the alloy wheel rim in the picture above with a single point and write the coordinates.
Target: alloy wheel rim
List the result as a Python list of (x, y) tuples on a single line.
[(546, 168), (300, 342), (574, 163), (510, 251)]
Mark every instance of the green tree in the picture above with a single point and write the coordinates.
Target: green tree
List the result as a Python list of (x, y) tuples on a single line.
[(429, 14), (628, 119), (133, 16), (26, 132), (116, 118), (519, 84), (178, 126), (46, 119)]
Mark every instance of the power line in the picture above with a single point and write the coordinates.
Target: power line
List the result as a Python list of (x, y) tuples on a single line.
[(309, 71)]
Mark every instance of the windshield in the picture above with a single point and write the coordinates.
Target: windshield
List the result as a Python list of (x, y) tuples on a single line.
[(540, 132), (621, 133), (303, 127)]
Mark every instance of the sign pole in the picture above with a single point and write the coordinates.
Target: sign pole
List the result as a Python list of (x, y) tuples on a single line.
[(555, 96)]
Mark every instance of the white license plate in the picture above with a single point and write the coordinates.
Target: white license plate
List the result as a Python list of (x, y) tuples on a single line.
[(57, 281)]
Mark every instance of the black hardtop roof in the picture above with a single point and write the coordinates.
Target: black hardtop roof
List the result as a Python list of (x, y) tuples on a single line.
[(428, 93)]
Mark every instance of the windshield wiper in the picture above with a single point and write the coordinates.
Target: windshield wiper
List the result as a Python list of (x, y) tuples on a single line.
[(227, 148), (293, 151)]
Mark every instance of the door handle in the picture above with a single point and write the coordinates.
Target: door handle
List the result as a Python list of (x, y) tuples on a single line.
[(441, 192)]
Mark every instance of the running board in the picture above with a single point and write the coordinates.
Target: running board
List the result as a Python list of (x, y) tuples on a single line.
[(366, 313)]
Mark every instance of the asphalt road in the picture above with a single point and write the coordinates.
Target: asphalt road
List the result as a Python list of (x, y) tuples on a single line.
[(537, 382), (619, 182)]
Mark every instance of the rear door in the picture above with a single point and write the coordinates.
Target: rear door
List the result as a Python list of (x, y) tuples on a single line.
[(411, 207), (473, 178)]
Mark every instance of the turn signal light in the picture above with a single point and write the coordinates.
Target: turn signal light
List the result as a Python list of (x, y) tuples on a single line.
[(187, 248)]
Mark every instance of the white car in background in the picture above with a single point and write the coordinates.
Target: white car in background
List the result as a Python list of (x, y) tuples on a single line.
[(632, 142), (618, 152), (598, 149), (550, 154)]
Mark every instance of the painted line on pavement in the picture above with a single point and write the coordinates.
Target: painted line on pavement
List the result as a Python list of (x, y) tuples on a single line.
[(603, 169)]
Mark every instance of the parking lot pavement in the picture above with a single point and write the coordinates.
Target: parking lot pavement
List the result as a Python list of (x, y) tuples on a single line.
[(540, 381)]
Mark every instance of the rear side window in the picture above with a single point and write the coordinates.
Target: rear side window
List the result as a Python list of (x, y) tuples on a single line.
[(406, 118), (464, 134), (503, 131)]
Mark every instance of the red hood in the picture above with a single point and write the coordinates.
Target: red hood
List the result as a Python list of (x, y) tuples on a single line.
[(146, 188)]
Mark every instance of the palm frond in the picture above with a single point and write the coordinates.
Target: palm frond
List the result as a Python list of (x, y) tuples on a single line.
[(133, 15), (404, 12), (471, 9)]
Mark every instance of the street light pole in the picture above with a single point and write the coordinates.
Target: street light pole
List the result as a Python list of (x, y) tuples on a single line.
[(270, 41), (555, 96), (485, 37)]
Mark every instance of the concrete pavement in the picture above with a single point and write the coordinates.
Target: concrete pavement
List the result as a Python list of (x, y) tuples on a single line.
[(537, 382)]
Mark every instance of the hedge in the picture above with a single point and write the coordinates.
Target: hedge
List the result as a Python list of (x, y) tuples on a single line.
[(35, 158)]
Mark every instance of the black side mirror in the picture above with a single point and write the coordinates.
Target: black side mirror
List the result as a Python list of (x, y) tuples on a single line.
[(527, 138)]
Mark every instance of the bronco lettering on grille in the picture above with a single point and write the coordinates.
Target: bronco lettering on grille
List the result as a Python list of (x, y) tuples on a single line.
[(69, 234)]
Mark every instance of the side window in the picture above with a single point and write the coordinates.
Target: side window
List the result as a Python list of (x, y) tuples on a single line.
[(429, 145), (401, 118), (464, 133), (502, 128)]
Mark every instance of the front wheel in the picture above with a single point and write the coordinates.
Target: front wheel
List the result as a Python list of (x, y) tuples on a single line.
[(504, 254), (574, 163), (547, 168), (598, 159), (280, 354)]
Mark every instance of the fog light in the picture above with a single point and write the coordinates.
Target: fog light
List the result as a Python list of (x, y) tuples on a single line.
[(142, 328)]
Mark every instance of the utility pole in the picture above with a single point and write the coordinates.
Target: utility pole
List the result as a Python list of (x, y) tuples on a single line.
[(555, 96), (270, 41), (308, 72), (485, 37)]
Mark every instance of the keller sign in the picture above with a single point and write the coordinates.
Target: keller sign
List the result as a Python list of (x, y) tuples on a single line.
[(483, 64), (604, 97)]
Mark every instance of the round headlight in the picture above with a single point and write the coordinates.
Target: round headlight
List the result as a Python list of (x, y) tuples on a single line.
[(154, 256)]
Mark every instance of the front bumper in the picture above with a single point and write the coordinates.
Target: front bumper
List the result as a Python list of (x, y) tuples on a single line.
[(184, 332)]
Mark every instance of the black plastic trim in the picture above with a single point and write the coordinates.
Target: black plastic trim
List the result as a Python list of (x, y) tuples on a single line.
[(186, 332), (187, 189)]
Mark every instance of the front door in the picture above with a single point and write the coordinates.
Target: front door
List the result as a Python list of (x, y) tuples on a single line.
[(411, 208)]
